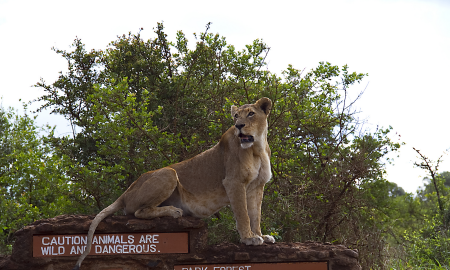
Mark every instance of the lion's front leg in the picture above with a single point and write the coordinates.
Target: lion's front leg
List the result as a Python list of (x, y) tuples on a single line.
[(237, 196), (254, 201)]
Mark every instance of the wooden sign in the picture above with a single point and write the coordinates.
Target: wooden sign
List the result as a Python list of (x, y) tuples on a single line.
[(110, 244), (257, 266)]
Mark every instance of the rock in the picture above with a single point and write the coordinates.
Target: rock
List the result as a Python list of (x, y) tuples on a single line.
[(351, 253), (241, 256), (338, 257)]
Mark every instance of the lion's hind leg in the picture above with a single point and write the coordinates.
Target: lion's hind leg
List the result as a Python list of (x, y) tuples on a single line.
[(162, 211), (149, 193)]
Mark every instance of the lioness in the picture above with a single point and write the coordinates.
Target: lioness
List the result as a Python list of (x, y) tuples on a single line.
[(233, 172)]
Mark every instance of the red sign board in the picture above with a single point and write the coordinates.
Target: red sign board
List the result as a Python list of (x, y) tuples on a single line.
[(110, 244), (257, 266)]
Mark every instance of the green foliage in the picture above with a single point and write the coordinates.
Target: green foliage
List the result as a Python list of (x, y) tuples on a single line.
[(430, 245), (140, 106), (418, 230), (32, 179), (221, 223)]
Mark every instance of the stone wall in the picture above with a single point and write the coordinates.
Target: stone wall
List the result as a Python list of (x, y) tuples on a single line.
[(338, 257)]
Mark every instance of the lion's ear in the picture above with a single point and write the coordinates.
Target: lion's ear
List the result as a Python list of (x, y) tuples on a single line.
[(265, 104), (233, 110)]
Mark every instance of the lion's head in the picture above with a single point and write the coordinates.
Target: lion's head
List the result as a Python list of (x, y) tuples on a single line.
[(250, 121)]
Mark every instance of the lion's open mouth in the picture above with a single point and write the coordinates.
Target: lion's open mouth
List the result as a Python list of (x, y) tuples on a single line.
[(246, 138)]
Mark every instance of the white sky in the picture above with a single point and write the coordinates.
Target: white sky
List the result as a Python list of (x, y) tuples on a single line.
[(403, 45)]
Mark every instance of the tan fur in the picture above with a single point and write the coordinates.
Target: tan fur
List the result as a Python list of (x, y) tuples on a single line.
[(231, 173)]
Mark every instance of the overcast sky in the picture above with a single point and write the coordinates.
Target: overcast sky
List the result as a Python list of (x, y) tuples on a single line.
[(403, 45)]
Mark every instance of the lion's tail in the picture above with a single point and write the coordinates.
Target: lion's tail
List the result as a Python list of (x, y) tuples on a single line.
[(114, 207)]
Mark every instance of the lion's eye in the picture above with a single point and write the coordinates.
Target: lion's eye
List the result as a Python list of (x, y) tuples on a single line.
[(251, 113), (236, 116)]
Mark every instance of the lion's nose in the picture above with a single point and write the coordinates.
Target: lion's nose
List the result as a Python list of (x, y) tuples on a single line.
[(239, 126)]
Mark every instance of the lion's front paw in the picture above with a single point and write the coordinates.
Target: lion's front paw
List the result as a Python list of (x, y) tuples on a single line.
[(268, 239), (253, 241)]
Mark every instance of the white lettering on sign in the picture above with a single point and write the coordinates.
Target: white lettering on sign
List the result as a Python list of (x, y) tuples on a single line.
[(256, 266), (53, 251), (234, 267), (108, 244), (112, 239), (149, 238), (77, 250), (240, 267), (64, 240), (133, 249)]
